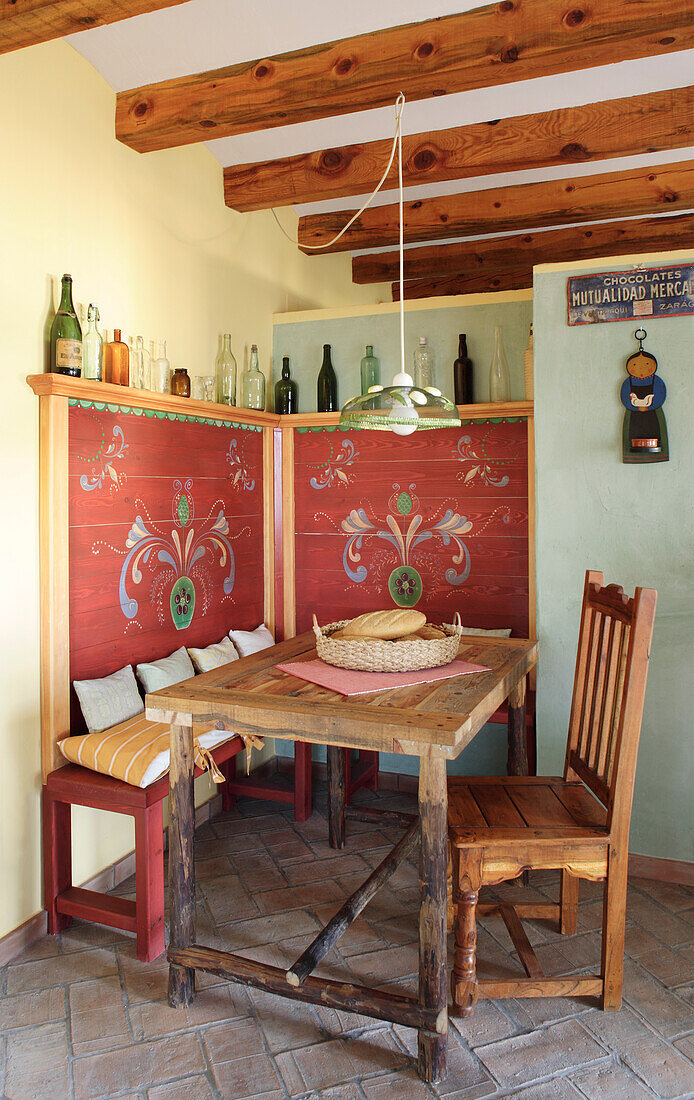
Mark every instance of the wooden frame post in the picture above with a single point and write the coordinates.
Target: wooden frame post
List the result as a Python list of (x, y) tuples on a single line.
[(336, 796), (181, 866), (433, 863)]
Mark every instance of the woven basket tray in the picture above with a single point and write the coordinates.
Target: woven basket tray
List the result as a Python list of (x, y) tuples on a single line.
[(377, 655)]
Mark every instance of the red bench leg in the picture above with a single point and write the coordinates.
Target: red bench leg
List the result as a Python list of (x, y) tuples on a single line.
[(57, 858), (303, 803), (373, 780), (149, 882), (228, 770)]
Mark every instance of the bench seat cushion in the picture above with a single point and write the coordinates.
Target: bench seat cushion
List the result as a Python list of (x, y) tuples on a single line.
[(136, 751)]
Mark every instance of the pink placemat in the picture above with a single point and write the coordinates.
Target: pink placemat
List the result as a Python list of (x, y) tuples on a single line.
[(350, 682)]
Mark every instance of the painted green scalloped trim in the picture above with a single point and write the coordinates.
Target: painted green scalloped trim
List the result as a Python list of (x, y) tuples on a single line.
[(159, 414)]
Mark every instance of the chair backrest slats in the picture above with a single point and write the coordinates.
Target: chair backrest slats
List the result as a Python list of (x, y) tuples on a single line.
[(609, 688)]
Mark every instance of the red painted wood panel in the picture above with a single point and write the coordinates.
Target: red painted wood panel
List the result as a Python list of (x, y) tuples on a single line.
[(160, 508), (438, 520)]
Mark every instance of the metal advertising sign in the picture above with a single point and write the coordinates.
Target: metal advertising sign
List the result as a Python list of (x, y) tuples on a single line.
[(628, 295)]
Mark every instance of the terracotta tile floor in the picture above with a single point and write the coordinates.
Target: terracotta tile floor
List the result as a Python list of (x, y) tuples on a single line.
[(81, 1018)]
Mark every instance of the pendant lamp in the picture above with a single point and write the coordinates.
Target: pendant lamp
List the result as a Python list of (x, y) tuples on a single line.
[(402, 407)]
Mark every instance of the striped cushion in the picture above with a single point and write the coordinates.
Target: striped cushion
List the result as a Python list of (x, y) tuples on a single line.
[(136, 751)]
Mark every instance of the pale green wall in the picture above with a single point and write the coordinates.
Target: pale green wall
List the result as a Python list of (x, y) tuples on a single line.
[(635, 523), (348, 336)]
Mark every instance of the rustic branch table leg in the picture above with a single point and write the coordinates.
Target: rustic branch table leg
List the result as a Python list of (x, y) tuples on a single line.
[(517, 743), (181, 869), (433, 862), (336, 796)]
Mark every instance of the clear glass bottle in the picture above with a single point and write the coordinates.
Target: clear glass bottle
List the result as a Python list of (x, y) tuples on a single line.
[(139, 365), (253, 383), (225, 370), (117, 361), (499, 379), (462, 374), (66, 334), (92, 347), (370, 370), (161, 370), (180, 383), (327, 384), (424, 364), (286, 392)]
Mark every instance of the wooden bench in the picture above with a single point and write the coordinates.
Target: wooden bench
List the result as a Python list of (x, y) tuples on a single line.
[(73, 785)]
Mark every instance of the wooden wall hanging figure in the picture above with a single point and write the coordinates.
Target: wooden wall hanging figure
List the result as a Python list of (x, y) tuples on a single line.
[(643, 392)]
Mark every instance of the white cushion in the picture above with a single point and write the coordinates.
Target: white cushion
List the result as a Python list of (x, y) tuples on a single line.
[(221, 653), (500, 632), (251, 641), (110, 700), (154, 675)]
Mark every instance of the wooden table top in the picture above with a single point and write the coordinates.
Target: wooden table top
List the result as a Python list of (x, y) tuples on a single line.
[(252, 696)]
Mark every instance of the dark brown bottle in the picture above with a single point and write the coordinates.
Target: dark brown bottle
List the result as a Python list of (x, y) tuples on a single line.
[(180, 382), (327, 384), (462, 374)]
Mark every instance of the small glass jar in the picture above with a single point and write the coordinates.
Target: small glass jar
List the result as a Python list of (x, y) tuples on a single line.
[(180, 383)]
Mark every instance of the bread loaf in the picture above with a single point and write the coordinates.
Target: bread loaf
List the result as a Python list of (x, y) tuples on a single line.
[(429, 632), (384, 624)]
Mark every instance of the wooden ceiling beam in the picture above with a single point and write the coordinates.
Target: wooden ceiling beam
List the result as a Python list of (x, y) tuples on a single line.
[(471, 282), (624, 127), (506, 209), (26, 22), (491, 258), (497, 44)]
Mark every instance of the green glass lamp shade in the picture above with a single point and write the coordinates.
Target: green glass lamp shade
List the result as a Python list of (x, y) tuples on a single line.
[(402, 408)]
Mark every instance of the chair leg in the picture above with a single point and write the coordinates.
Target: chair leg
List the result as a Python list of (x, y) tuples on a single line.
[(373, 782), (149, 882), (568, 904), (303, 794), (464, 987), (613, 921), (57, 858)]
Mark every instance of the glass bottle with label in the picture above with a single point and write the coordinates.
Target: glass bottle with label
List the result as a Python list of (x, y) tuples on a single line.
[(327, 384), (370, 370), (92, 347), (117, 361), (424, 364), (499, 379), (253, 383), (66, 335), (462, 374), (286, 392), (225, 370)]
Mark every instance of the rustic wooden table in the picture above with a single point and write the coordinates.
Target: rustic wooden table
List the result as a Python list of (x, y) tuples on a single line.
[(433, 721)]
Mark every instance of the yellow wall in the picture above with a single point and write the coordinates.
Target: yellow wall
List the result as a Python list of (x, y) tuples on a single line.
[(149, 240)]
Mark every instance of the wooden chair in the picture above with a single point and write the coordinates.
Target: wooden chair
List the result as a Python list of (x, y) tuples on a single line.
[(579, 824)]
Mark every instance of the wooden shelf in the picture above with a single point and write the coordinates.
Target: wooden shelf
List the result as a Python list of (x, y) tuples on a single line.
[(62, 385), (81, 389)]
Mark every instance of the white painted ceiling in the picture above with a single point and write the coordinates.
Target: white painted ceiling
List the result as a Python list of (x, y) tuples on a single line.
[(209, 34)]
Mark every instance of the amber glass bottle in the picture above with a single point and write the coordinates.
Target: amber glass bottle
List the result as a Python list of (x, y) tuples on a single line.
[(117, 361), (180, 382)]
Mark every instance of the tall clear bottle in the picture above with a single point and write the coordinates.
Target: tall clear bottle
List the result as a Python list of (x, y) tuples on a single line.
[(424, 364), (225, 371), (327, 384), (253, 383), (92, 347), (370, 370), (66, 334), (499, 378), (140, 365), (161, 369)]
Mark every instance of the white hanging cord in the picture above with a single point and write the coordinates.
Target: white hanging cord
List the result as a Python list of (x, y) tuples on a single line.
[(398, 131), (397, 143)]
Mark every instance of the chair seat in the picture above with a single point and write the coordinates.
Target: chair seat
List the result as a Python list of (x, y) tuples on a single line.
[(490, 811)]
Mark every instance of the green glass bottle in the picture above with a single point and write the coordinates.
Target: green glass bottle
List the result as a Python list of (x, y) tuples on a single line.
[(327, 384), (370, 370), (66, 335), (286, 392), (253, 383)]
